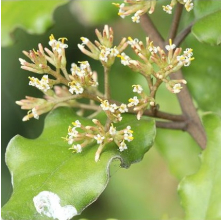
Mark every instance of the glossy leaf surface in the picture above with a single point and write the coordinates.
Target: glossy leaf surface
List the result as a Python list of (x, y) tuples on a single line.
[(34, 16), (46, 164), (200, 193), (203, 75)]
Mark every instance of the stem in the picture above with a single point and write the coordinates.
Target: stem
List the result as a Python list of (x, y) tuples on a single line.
[(155, 87), (176, 21), (106, 83), (195, 127), (172, 125), (58, 76), (88, 107), (68, 98), (64, 70), (151, 30), (179, 39), (149, 81), (165, 115)]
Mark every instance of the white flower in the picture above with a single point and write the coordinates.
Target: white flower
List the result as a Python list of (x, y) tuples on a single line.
[(128, 134), (177, 88), (114, 52), (77, 124), (123, 108), (133, 101), (59, 46), (113, 107), (137, 88), (72, 132), (136, 17), (186, 58), (70, 140), (99, 138), (188, 5), (78, 148), (84, 40), (40, 84), (152, 49), (119, 117), (112, 130), (188, 52), (133, 42), (170, 46), (105, 51), (121, 11), (105, 105), (168, 9), (35, 114), (77, 88), (125, 59), (123, 146)]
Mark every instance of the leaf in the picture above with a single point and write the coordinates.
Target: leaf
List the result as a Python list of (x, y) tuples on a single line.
[(208, 29), (89, 14), (34, 16), (207, 15), (46, 164), (201, 193), (181, 156), (204, 8), (203, 75)]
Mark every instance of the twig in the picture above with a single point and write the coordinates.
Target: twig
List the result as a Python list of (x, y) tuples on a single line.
[(164, 115), (179, 39), (176, 21), (172, 125), (106, 83)]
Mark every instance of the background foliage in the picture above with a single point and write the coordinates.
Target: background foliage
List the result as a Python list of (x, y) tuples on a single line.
[(148, 189)]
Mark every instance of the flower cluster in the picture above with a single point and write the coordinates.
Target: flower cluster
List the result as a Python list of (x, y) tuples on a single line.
[(140, 7), (188, 4), (82, 78), (158, 63), (113, 111), (140, 105), (80, 136), (36, 107), (137, 8), (40, 84), (103, 49)]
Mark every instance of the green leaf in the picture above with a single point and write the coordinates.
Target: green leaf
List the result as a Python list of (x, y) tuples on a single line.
[(204, 8), (89, 14), (34, 16), (201, 193), (208, 29), (46, 164), (179, 150), (203, 75)]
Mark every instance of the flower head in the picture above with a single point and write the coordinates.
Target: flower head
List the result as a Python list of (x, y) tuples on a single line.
[(133, 101), (40, 84)]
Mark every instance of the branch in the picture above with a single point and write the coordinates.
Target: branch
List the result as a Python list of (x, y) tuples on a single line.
[(164, 115), (195, 127), (172, 125), (179, 39), (176, 21)]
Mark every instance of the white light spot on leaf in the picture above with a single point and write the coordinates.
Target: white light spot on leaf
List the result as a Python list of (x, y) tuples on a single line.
[(48, 203)]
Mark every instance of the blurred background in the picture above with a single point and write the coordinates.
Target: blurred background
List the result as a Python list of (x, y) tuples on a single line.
[(147, 190)]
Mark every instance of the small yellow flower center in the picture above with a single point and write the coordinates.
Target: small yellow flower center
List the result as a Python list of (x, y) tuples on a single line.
[(51, 37), (63, 39)]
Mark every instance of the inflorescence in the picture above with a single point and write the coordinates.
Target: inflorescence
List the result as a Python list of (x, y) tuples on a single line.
[(155, 64), (139, 7)]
